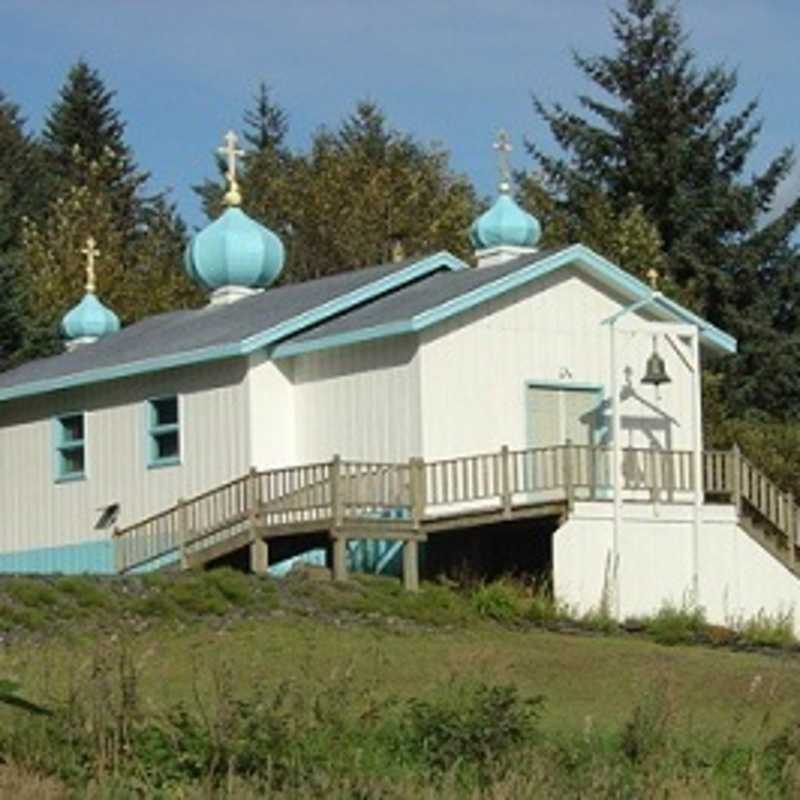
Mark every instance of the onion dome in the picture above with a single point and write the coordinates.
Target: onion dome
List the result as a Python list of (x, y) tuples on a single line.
[(90, 320), (505, 224), (234, 254), (234, 250)]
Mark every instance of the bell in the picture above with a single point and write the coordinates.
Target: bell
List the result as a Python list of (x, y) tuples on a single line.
[(656, 371)]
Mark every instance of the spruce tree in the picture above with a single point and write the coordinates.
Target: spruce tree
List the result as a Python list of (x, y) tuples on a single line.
[(662, 138), (22, 195)]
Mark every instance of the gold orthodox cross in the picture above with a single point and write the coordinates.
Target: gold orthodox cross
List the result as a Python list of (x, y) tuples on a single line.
[(503, 148), (233, 196), (91, 252)]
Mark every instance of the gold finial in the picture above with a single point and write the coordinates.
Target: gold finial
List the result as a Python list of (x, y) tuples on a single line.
[(91, 252), (653, 276), (233, 197), (503, 148)]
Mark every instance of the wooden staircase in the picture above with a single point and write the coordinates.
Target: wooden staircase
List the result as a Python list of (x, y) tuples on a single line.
[(407, 502)]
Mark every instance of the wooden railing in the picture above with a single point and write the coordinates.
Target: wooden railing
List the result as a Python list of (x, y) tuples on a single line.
[(332, 494)]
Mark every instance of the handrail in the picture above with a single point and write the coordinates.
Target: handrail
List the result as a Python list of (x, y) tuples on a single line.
[(337, 492)]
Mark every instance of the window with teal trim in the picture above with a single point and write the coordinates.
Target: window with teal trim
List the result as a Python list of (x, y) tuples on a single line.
[(163, 434), (70, 447)]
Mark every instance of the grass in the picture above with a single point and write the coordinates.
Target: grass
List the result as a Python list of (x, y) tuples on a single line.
[(372, 686)]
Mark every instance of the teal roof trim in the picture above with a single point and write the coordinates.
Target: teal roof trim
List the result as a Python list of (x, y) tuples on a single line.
[(297, 323), (602, 269)]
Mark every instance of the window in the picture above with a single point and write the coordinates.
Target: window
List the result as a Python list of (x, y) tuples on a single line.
[(163, 431), (70, 433)]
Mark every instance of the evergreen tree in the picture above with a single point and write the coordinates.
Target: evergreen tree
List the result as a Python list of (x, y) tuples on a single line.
[(363, 193), (96, 190), (83, 127), (665, 144), (22, 194)]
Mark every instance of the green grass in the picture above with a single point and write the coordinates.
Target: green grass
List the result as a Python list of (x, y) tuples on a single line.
[(372, 685)]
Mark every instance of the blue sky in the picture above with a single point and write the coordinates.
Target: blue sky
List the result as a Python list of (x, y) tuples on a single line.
[(446, 70)]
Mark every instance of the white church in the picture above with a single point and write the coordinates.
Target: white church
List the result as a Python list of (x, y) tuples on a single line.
[(540, 410)]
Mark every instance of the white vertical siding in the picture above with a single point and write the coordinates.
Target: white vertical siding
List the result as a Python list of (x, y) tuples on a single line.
[(362, 402), (474, 368), (37, 512), (271, 412)]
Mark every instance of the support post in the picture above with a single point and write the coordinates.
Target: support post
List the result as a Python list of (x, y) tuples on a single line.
[(337, 507), (791, 527), (505, 481), (699, 489), (339, 558), (259, 556), (417, 486), (736, 488), (616, 467), (119, 559), (183, 532), (411, 565), (569, 479)]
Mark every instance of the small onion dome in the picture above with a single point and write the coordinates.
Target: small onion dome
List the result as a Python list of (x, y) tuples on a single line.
[(89, 320), (236, 251), (505, 224)]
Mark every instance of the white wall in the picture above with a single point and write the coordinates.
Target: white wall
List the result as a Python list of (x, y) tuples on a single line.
[(656, 561), (271, 411), (362, 402), (474, 367), (38, 512)]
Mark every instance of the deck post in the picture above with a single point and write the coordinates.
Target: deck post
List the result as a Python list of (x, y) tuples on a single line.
[(791, 526), (505, 481), (119, 560), (339, 558), (736, 487), (337, 509), (569, 481), (183, 532), (411, 565), (259, 556), (417, 486)]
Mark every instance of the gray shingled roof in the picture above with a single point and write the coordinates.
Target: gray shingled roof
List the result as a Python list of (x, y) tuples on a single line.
[(415, 298), (187, 331)]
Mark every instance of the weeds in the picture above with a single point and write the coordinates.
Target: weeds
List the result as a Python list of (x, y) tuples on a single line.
[(765, 630), (677, 625)]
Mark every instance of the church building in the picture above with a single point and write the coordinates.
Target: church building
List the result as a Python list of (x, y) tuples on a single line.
[(543, 395)]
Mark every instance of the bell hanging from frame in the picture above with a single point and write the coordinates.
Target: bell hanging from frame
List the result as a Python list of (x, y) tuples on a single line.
[(656, 371)]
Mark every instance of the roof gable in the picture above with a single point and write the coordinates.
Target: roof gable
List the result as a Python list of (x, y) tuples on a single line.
[(182, 338), (419, 307)]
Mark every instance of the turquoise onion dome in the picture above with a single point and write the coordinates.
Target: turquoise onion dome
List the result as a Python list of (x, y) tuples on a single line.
[(505, 223), (90, 319), (234, 250)]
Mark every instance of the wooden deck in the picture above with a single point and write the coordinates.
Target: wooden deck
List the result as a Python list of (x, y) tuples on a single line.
[(410, 502)]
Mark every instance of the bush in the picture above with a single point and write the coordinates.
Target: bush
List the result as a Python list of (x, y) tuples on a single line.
[(673, 625), (769, 630), (501, 600), (478, 724)]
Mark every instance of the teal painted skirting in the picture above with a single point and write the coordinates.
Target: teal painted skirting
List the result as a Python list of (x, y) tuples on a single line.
[(96, 557)]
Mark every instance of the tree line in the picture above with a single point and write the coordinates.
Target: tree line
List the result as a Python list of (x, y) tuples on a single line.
[(652, 169)]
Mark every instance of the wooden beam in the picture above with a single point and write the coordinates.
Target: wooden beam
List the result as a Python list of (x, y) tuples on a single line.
[(411, 566), (259, 557), (339, 558)]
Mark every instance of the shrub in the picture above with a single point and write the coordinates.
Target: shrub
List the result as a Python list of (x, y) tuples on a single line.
[(31, 592), (477, 724), (84, 591), (673, 625), (501, 600), (769, 630)]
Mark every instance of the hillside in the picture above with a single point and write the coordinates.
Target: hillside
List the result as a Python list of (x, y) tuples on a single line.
[(219, 684)]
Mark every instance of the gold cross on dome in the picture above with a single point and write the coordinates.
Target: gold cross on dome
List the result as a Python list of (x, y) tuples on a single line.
[(503, 148), (652, 277), (233, 196), (91, 252)]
